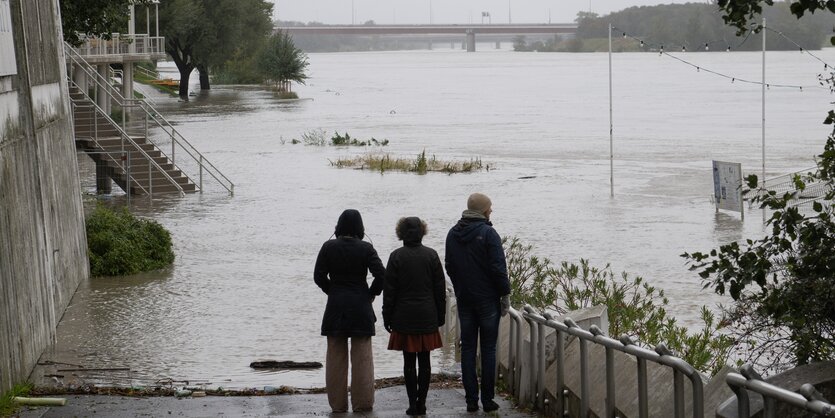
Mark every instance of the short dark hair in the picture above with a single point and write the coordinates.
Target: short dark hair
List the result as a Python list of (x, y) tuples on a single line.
[(400, 229)]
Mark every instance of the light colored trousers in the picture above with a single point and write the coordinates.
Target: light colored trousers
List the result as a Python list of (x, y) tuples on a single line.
[(362, 374)]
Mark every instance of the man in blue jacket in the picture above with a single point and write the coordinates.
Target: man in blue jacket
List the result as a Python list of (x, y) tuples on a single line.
[(475, 263)]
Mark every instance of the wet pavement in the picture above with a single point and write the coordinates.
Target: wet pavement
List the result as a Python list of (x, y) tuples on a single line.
[(389, 402)]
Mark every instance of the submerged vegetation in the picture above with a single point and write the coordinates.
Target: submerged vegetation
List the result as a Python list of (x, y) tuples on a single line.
[(634, 308), (120, 244), (319, 138), (420, 164)]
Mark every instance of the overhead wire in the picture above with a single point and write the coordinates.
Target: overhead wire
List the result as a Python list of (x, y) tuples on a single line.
[(733, 79)]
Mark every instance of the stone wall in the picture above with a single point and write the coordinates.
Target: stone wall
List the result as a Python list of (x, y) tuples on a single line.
[(42, 241)]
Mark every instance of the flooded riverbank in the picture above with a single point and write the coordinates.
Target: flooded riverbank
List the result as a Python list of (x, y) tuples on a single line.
[(241, 288)]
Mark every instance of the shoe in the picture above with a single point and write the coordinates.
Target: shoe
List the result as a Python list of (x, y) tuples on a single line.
[(489, 405), (472, 406), (364, 409)]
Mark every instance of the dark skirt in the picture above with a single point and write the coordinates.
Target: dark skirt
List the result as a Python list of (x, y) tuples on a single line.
[(415, 343)]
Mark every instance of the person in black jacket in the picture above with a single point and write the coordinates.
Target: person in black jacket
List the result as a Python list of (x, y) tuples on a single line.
[(414, 306), (475, 263), (341, 269)]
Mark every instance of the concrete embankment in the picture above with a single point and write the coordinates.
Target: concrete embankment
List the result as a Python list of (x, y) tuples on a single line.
[(42, 243)]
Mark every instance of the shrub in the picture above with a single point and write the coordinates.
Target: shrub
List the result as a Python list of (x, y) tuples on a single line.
[(635, 308), (119, 244)]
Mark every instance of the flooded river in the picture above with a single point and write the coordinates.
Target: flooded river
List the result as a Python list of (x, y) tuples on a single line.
[(241, 288)]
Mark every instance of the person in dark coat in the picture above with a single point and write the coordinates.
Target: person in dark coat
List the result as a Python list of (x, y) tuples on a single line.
[(341, 269), (475, 263), (414, 306)]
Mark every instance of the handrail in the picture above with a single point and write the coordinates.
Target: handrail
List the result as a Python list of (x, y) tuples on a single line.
[(162, 123), (180, 139), (122, 44), (124, 135), (808, 399), (594, 335)]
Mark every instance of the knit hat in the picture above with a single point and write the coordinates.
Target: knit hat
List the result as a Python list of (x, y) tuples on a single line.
[(479, 203)]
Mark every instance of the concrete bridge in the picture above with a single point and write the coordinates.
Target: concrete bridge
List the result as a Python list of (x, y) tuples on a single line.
[(469, 30)]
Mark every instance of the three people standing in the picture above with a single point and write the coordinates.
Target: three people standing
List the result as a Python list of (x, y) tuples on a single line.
[(414, 305)]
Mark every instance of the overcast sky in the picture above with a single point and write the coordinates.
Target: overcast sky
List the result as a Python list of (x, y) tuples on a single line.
[(449, 11)]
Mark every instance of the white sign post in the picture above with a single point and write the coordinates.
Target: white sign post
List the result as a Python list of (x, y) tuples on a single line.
[(727, 186)]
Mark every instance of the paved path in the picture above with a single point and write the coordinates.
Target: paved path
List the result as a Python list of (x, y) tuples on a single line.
[(390, 402)]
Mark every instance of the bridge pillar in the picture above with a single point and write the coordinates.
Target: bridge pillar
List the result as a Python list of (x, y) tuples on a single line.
[(430, 44), (103, 172), (470, 41), (498, 44), (452, 45)]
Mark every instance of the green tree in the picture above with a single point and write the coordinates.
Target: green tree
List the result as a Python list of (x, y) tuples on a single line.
[(205, 34), (94, 17), (282, 63), (782, 285), (739, 13)]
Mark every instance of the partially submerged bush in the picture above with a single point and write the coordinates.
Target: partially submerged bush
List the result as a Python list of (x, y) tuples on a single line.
[(346, 139), (120, 244), (635, 308)]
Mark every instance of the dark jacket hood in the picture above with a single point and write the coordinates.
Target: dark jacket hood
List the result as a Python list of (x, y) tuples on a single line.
[(412, 231), (350, 224), (467, 229)]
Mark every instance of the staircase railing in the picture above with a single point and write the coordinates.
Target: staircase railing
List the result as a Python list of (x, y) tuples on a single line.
[(809, 399), (537, 366), (130, 180), (152, 118)]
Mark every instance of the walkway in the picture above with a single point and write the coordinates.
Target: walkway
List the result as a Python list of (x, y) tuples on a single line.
[(390, 402)]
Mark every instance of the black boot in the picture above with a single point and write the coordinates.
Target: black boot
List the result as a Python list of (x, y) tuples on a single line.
[(424, 378), (410, 376)]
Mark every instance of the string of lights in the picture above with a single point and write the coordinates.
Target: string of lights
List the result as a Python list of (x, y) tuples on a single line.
[(733, 79), (826, 66)]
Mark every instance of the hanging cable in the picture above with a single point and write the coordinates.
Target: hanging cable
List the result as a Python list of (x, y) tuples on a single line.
[(733, 79)]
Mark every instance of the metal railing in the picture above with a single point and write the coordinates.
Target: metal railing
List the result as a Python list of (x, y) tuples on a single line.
[(785, 184), (93, 134), (151, 118), (536, 361), (747, 379), (121, 44)]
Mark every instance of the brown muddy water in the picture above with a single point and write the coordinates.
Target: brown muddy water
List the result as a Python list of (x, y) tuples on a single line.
[(241, 288)]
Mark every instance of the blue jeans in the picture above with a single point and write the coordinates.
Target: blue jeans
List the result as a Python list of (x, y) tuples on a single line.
[(479, 320)]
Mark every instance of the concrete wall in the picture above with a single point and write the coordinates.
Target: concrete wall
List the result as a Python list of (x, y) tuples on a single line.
[(43, 253)]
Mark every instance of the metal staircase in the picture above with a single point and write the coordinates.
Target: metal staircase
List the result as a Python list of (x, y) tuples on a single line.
[(127, 144)]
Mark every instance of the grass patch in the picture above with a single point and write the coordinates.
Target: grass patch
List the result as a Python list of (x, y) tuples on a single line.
[(7, 407), (120, 244), (420, 164)]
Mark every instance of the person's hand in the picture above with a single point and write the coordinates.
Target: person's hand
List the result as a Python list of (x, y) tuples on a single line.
[(505, 302), (387, 326)]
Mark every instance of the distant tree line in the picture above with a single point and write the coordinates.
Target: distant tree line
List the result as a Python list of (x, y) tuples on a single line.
[(690, 25)]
